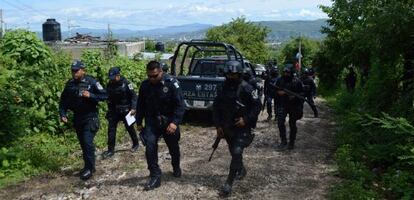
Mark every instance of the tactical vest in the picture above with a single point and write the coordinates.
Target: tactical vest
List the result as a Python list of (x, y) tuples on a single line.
[(118, 94), (75, 101)]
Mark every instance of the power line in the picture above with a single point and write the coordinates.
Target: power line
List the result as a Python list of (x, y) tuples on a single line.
[(31, 8)]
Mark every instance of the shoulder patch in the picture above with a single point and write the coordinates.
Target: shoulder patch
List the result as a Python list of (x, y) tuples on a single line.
[(99, 86), (255, 94), (130, 86), (176, 85)]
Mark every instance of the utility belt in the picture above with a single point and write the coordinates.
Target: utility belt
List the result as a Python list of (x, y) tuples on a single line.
[(160, 121), (243, 135), (122, 109)]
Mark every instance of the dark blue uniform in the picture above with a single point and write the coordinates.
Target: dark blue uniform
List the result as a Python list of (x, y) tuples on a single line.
[(270, 95), (85, 111), (160, 104), (121, 99), (309, 89), (289, 105), (232, 102)]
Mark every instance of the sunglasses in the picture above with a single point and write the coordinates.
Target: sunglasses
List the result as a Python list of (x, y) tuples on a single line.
[(153, 76), (74, 70)]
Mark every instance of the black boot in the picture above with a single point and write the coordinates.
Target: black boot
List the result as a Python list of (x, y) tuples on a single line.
[(225, 189), (282, 146), (153, 183), (107, 154), (86, 174), (177, 172)]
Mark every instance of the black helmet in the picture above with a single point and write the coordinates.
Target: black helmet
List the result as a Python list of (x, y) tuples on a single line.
[(164, 67), (305, 71), (289, 68), (233, 67), (274, 69), (311, 71)]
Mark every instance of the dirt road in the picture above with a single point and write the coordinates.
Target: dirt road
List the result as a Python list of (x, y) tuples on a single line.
[(303, 173)]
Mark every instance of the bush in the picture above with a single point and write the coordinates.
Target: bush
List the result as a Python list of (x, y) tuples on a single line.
[(375, 155), (31, 80)]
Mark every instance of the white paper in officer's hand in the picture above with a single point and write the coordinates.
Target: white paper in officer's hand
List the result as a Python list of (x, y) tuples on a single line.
[(130, 119)]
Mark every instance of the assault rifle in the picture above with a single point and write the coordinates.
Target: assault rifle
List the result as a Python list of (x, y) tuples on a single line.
[(292, 94), (239, 108)]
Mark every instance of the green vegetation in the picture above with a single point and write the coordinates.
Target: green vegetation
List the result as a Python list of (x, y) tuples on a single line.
[(375, 135), (32, 77), (309, 48), (251, 43)]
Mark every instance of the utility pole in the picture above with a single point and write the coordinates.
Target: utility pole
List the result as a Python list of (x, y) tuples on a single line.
[(300, 53), (1, 23), (70, 26)]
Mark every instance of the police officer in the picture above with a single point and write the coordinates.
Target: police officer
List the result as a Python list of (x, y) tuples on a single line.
[(160, 102), (350, 80), (288, 105), (122, 101), (249, 77), (269, 92), (81, 95), (235, 112), (309, 89)]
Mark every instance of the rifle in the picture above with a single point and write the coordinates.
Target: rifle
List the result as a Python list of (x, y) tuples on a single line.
[(240, 107), (215, 145), (292, 94)]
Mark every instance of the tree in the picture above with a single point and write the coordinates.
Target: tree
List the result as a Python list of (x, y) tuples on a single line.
[(246, 36), (309, 48), (377, 37), (149, 45)]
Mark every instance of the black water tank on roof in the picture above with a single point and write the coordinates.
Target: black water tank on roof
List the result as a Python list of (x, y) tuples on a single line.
[(51, 31), (159, 47)]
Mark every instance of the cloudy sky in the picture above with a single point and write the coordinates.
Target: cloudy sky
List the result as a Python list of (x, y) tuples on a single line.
[(141, 15)]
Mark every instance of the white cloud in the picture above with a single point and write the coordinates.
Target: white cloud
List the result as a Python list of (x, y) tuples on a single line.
[(312, 14)]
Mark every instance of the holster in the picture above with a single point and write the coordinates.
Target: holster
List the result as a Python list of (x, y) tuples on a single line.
[(122, 109), (162, 121)]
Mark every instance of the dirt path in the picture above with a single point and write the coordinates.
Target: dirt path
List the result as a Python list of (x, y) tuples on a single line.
[(304, 173)]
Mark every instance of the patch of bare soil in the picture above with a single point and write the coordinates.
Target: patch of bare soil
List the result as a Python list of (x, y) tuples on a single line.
[(303, 173)]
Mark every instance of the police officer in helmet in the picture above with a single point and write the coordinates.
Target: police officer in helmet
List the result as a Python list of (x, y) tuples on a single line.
[(288, 105), (269, 92), (81, 95), (122, 101), (309, 88), (161, 103), (235, 112)]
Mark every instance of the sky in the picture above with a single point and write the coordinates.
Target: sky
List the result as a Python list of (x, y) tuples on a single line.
[(144, 15)]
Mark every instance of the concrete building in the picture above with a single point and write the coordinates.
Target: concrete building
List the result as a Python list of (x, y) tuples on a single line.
[(128, 49)]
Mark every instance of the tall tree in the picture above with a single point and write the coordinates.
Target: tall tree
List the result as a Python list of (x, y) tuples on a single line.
[(246, 36)]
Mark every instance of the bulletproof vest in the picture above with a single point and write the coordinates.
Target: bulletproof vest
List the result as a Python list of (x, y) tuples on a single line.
[(159, 97), (307, 82), (290, 85), (118, 93), (231, 94), (75, 101)]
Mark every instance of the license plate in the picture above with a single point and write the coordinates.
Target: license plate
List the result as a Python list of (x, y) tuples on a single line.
[(198, 104)]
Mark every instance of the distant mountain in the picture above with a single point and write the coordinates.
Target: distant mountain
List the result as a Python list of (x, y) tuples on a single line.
[(280, 31), (284, 30), (171, 30), (166, 32)]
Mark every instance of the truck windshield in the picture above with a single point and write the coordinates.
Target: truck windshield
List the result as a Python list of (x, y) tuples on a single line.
[(208, 68)]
